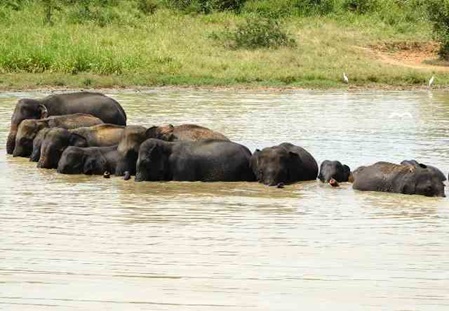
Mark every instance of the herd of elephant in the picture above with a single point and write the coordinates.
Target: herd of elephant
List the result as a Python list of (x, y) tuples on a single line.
[(86, 133)]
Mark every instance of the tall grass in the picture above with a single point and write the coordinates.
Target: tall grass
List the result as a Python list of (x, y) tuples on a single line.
[(145, 42)]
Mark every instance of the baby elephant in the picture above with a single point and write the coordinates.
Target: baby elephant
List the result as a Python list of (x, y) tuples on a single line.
[(333, 172), (283, 164), (406, 179), (89, 161), (37, 142)]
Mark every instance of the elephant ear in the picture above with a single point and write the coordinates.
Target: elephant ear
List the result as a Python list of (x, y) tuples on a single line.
[(407, 188), (294, 164), (152, 132), (89, 166), (422, 165), (254, 160), (43, 112), (294, 157), (347, 171), (170, 136), (41, 124), (77, 140), (166, 133)]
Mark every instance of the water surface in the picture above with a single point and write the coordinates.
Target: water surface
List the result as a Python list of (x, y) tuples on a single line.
[(89, 243)]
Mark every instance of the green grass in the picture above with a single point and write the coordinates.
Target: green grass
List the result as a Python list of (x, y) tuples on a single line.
[(171, 48)]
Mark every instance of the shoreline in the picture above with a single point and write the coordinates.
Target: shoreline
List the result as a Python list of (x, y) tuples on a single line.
[(132, 88)]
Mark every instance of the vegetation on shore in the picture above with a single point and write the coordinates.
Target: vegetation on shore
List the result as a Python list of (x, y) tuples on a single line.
[(277, 43)]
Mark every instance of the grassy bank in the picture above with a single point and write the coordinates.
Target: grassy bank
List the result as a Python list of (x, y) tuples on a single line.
[(168, 47)]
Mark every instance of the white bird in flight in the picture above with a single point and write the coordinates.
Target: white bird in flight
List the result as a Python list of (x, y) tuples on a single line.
[(345, 78), (431, 81)]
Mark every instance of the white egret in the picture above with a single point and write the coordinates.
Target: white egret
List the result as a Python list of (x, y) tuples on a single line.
[(345, 78), (431, 81)]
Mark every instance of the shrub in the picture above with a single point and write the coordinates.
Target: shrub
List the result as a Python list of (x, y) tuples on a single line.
[(147, 7), (15, 5), (360, 6), (206, 6), (316, 7), (439, 15), (257, 33), (272, 8), (95, 12)]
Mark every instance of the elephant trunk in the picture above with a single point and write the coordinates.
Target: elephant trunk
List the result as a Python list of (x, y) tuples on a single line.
[(43, 162), (11, 142)]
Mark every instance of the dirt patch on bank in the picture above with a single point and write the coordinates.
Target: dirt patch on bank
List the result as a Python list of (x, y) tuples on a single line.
[(416, 55)]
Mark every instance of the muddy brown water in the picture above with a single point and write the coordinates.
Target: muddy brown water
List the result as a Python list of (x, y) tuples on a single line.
[(89, 243)]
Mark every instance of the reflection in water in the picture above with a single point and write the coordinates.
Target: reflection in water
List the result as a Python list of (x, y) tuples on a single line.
[(83, 242)]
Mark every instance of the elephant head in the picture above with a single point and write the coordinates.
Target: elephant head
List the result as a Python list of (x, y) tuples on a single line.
[(72, 161), (25, 109), (163, 132), (55, 142), (273, 166), (128, 149), (26, 133), (422, 180), (333, 172), (152, 163)]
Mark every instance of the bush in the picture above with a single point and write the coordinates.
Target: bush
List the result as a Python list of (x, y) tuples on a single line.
[(272, 8), (316, 7), (360, 6), (206, 6), (147, 7), (439, 15), (257, 33), (15, 5)]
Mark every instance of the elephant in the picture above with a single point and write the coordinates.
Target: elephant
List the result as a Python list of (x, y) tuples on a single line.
[(134, 136), (89, 161), (283, 164), (396, 178), (190, 132), (57, 139), (96, 104), (204, 160), (37, 142), (128, 149), (29, 128), (436, 171), (334, 172)]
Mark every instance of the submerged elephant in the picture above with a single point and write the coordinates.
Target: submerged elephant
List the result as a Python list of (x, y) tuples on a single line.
[(89, 161), (204, 160), (37, 143), (56, 140), (283, 164), (334, 172), (406, 179), (134, 136), (96, 104), (191, 132), (29, 128), (128, 149), (435, 170)]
